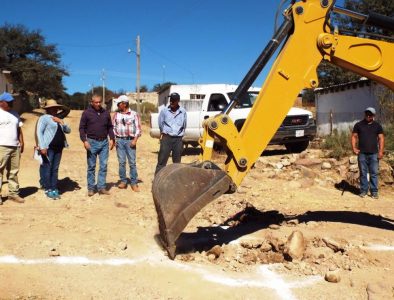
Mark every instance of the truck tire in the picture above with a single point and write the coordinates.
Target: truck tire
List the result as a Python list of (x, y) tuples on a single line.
[(297, 147)]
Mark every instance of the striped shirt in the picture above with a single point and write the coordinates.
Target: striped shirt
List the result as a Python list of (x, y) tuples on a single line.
[(127, 124)]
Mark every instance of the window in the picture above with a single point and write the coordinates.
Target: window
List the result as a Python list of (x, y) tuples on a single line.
[(217, 102), (197, 96), (245, 101)]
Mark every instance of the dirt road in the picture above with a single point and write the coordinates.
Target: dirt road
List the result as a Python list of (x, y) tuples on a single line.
[(104, 247)]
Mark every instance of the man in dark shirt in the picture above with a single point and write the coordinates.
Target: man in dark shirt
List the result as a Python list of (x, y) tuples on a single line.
[(369, 135), (94, 128)]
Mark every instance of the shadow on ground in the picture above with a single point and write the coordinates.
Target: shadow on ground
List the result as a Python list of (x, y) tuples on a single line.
[(251, 220), (27, 191), (67, 185)]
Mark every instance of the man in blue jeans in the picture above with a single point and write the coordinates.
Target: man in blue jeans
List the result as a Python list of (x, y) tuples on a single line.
[(94, 128), (368, 144), (127, 129)]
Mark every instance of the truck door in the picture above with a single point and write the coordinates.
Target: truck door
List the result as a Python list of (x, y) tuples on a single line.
[(216, 103)]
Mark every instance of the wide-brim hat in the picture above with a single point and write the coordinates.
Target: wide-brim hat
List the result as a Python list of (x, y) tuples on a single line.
[(62, 110), (52, 103), (122, 98)]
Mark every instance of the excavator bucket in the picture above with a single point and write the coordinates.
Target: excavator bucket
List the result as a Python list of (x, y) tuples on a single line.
[(180, 191)]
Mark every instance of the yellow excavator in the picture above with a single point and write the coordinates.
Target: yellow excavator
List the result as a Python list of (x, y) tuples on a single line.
[(306, 36)]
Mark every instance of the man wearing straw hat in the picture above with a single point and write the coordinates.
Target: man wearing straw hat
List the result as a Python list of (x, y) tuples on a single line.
[(51, 141)]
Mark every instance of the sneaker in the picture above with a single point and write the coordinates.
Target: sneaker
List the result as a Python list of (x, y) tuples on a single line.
[(135, 188), (362, 195), (16, 198), (56, 193), (122, 185), (90, 193), (51, 194), (375, 196), (103, 192)]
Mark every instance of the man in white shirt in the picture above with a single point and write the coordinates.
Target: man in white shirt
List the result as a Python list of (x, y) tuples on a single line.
[(11, 146)]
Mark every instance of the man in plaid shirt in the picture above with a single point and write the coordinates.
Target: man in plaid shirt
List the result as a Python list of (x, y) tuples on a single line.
[(127, 130)]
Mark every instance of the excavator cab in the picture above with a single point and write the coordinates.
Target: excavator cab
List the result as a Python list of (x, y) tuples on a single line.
[(306, 37)]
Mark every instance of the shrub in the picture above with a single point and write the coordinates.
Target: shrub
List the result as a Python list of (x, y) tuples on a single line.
[(338, 144)]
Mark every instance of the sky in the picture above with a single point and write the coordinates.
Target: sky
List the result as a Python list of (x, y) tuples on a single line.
[(182, 41)]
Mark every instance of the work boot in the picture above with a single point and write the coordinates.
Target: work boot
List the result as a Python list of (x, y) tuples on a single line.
[(122, 185), (135, 188), (104, 192), (375, 195), (16, 198), (90, 193)]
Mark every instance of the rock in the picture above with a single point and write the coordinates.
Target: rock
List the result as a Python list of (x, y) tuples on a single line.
[(54, 253), (293, 222), (326, 166), (251, 244), (333, 244), (211, 257), (285, 162), (353, 168), (274, 226), (353, 160), (332, 276), (307, 172), (265, 247), (385, 172), (295, 245), (308, 162), (122, 246), (216, 251)]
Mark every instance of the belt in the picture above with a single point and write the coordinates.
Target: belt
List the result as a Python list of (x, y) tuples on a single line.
[(124, 137), (171, 136), (98, 138)]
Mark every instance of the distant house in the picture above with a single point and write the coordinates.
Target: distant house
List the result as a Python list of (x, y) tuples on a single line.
[(339, 107)]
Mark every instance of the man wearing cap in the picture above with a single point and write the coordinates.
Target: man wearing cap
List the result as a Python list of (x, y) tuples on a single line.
[(172, 125), (127, 130), (11, 146), (94, 128), (368, 145), (51, 140)]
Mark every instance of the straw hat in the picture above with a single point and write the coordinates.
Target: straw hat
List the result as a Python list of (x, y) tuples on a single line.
[(52, 103), (62, 110)]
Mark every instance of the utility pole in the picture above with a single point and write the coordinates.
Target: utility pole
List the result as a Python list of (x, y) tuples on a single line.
[(138, 75), (103, 79)]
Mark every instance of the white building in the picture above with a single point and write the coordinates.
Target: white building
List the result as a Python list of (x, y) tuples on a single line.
[(339, 107)]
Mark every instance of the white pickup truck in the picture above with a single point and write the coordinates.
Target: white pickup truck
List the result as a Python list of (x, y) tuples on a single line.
[(202, 101)]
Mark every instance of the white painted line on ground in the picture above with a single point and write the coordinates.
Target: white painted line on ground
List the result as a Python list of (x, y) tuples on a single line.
[(263, 278), (377, 247)]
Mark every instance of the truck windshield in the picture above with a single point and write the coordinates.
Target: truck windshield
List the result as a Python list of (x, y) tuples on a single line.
[(247, 101)]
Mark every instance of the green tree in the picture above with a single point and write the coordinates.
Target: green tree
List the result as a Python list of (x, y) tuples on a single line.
[(143, 88), (159, 87), (35, 65)]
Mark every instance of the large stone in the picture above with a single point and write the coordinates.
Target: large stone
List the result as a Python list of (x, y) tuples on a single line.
[(308, 162), (295, 245), (332, 276), (385, 173)]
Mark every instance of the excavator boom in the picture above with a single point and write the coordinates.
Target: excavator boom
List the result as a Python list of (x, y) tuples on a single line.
[(180, 191)]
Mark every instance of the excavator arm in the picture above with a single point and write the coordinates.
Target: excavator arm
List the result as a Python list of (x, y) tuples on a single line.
[(180, 191)]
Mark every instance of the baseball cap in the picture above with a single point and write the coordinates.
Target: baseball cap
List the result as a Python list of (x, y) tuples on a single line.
[(371, 110), (6, 97), (175, 97)]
